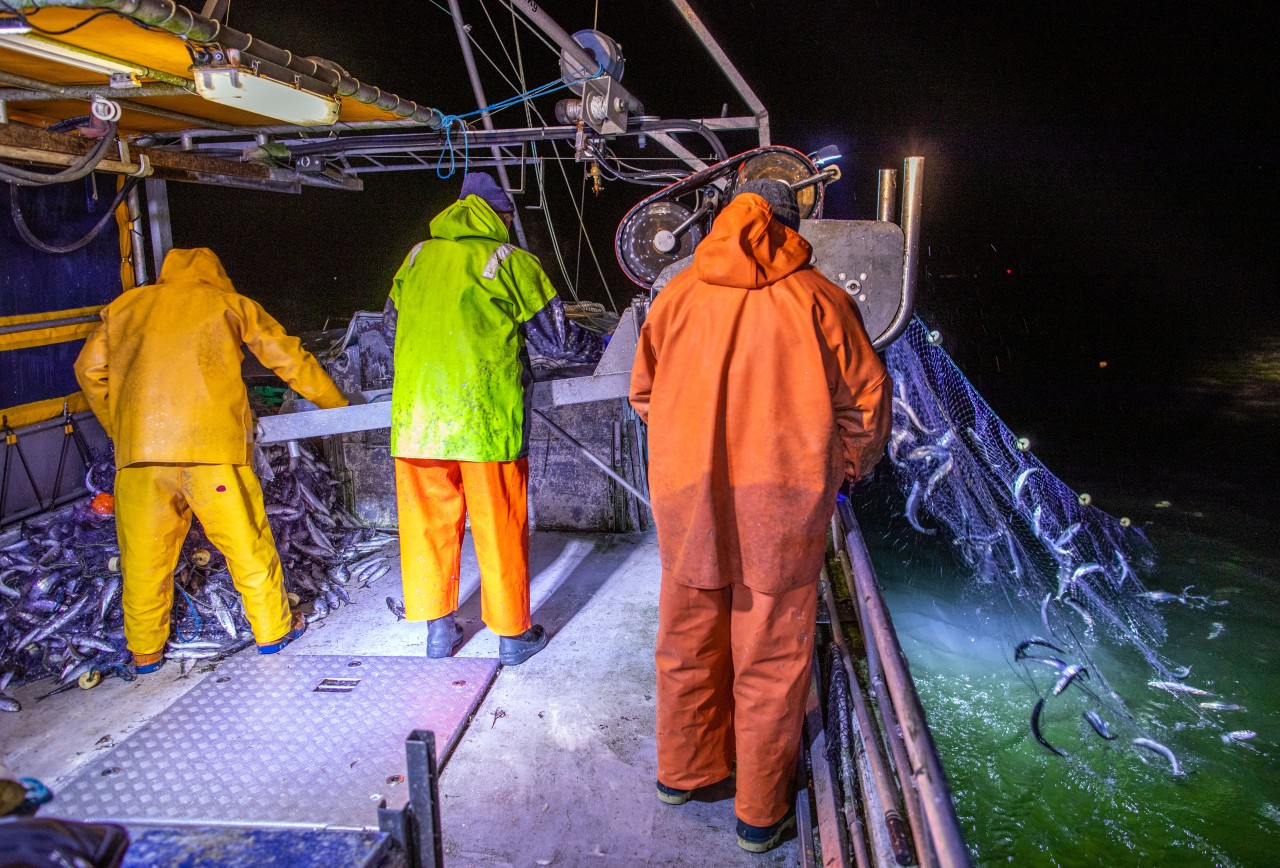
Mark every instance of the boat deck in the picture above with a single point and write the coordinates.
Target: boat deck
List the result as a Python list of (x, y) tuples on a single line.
[(555, 768)]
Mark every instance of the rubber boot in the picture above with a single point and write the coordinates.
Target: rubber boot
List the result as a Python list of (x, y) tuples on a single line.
[(297, 626), (444, 635), (514, 650), (761, 839), (145, 664)]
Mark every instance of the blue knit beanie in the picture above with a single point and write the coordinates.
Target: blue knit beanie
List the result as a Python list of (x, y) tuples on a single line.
[(483, 185)]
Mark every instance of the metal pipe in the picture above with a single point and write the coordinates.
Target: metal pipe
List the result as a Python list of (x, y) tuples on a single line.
[(137, 240), (4, 111), (533, 11), (609, 471), (931, 780), (157, 196), (169, 15), (726, 66), (887, 198), (912, 198), (857, 836), (893, 732), (15, 328), (22, 81), (80, 91), (485, 119)]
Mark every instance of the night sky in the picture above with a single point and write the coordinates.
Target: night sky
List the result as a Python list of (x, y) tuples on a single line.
[(1108, 170)]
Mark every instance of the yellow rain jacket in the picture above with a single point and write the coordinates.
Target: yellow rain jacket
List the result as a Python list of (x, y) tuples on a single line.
[(162, 372)]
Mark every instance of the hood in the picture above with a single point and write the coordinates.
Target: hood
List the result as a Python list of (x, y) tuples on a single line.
[(195, 264), (747, 248), (471, 217)]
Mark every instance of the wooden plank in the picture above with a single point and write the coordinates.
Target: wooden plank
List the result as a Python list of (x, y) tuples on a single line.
[(167, 165)]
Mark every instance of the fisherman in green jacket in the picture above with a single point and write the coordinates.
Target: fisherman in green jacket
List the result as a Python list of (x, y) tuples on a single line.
[(461, 306)]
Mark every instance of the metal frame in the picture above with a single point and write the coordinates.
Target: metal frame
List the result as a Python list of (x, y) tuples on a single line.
[(416, 826), (925, 770)]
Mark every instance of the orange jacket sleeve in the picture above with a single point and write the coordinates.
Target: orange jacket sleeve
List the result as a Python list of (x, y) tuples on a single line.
[(862, 394), (283, 354), (92, 375)]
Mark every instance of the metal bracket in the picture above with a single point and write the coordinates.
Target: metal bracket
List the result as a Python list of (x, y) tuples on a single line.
[(416, 826)]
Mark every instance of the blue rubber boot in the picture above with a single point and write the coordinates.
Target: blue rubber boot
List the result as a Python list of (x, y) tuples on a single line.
[(444, 635), (298, 625)]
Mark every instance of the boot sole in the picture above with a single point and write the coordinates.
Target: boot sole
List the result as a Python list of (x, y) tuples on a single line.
[(769, 843), (674, 798)]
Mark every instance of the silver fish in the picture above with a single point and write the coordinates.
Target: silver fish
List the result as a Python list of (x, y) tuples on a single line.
[(913, 505), (1160, 749), (1068, 675), (1176, 687), (1099, 725), (1218, 627), (1221, 706), (1021, 481), (8, 703), (1238, 735)]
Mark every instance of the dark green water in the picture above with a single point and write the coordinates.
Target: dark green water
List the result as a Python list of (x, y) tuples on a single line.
[(1183, 445)]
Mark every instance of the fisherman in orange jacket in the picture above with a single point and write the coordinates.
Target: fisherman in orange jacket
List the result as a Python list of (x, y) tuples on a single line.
[(162, 374), (763, 394)]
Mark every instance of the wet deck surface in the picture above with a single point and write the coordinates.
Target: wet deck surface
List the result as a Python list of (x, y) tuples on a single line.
[(556, 768)]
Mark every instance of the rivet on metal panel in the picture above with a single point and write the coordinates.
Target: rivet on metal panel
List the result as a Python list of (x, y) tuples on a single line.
[(459, 683), (392, 780), (223, 680), (354, 663), (114, 770)]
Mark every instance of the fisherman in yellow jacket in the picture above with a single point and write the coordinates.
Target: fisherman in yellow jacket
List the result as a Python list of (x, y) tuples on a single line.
[(162, 374)]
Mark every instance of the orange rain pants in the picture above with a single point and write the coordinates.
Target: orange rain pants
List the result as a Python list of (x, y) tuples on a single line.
[(733, 676), (154, 505), (434, 497)]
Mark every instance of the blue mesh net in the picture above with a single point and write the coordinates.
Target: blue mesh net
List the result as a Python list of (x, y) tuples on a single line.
[(970, 481)]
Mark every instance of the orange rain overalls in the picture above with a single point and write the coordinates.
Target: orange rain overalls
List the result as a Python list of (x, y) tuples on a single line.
[(762, 394), (162, 374), (458, 418)]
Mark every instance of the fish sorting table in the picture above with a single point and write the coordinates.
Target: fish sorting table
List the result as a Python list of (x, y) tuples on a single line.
[(285, 741)]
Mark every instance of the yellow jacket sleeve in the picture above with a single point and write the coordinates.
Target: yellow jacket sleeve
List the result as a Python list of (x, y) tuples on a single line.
[(283, 354), (91, 374)]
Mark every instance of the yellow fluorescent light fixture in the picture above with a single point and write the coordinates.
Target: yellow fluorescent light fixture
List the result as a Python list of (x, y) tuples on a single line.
[(50, 49), (241, 88)]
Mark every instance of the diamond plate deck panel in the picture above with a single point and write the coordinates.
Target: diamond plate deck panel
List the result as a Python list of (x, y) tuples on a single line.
[(257, 744), (186, 847)]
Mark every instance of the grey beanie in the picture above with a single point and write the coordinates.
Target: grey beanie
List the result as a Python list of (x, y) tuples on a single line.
[(781, 198)]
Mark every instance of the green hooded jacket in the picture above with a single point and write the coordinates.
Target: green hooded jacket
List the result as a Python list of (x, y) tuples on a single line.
[(460, 300)]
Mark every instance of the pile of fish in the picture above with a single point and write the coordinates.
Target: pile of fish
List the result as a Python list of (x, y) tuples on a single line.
[(60, 610)]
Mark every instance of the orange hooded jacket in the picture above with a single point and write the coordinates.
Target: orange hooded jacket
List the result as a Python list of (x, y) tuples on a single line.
[(162, 372), (762, 393)]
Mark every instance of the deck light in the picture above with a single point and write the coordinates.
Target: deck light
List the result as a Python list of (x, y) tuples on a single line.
[(14, 27), (242, 88), (49, 49)]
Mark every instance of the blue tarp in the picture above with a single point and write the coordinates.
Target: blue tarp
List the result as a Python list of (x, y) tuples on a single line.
[(34, 282)]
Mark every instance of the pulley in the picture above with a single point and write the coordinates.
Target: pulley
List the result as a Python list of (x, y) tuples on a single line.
[(789, 167), (606, 52), (656, 235)]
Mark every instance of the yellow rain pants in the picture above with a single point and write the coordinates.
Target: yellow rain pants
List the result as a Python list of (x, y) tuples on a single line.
[(154, 505), (434, 498)]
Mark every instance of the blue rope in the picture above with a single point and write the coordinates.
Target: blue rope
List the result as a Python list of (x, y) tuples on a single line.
[(447, 122), (191, 607)]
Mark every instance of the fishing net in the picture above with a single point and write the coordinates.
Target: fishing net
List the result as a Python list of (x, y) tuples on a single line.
[(971, 481)]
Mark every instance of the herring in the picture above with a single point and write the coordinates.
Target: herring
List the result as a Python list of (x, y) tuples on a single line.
[(1099, 725), (1160, 749), (1221, 706), (1176, 687)]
